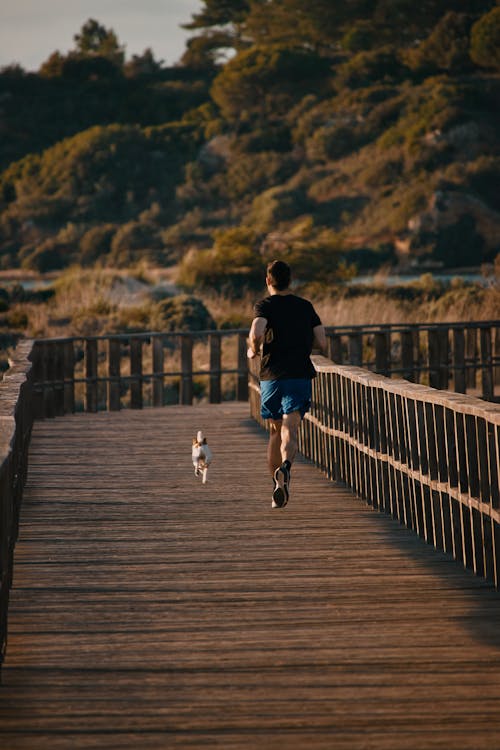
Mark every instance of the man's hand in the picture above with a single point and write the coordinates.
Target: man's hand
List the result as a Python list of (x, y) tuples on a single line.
[(256, 337)]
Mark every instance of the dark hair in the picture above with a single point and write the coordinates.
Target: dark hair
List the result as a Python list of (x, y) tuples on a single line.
[(279, 274)]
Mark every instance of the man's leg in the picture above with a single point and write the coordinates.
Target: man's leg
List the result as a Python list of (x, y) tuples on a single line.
[(289, 435), (274, 457), (285, 456)]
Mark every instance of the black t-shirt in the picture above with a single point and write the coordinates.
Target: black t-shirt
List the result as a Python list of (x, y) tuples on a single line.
[(288, 337)]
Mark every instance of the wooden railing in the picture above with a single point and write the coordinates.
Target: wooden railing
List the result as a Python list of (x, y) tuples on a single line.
[(429, 458), (16, 419), (464, 357), (135, 370)]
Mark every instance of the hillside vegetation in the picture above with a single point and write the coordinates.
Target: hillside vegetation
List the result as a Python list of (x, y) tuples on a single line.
[(341, 136)]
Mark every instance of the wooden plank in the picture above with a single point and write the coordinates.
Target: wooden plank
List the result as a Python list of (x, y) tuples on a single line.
[(149, 610)]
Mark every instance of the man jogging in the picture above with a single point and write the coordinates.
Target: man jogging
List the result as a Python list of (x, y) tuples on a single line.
[(287, 328)]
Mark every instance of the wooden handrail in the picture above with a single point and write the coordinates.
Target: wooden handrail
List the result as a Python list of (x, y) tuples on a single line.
[(462, 356), (135, 369), (16, 420), (111, 372), (429, 458)]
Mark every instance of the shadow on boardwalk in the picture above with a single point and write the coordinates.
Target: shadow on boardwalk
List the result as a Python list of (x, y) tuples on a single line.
[(150, 611)]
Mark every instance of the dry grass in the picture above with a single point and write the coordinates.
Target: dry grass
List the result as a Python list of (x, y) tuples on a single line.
[(100, 301)]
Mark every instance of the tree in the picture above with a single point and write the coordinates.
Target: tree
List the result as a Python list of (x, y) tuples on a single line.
[(263, 82), (95, 40), (447, 47), (219, 20), (144, 65), (204, 52), (485, 40), (219, 13)]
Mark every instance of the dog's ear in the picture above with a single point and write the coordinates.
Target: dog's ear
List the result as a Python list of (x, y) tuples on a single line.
[(194, 441), (204, 441)]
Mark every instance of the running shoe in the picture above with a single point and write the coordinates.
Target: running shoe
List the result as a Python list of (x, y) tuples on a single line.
[(281, 482)]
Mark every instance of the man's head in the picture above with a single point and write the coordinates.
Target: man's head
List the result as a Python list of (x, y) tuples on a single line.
[(278, 275)]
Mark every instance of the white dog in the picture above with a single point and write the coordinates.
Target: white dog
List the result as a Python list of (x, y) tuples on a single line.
[(202, 456)]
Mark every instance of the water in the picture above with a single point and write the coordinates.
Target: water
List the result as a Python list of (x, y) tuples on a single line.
[(401, 279)]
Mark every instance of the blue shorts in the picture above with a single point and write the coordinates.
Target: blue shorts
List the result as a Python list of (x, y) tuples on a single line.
[(278, 397)]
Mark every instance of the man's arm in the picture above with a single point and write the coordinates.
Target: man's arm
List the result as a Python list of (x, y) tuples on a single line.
[(319, 340), (256, 336)]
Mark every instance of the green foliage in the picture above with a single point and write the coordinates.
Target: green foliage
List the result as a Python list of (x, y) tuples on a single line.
[(359, 37), (459, 244), (324, 120), (183, 313), (374, 66), (95, 40), (232, 265), (96, 243), (446, 48), (51, 255), (277, 205), (485, 40), (252, 173), (116, 171), (264, 82), (315, 253), (131, 242)]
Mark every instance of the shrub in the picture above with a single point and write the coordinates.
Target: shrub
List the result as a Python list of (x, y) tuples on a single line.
[(367, 68), (49, 256), (459, 244), (249, 174), (446, 48), (95, 243), (232, 265), (265, 81), (183, 313), (132, 241), (485, 40), (276, 205)]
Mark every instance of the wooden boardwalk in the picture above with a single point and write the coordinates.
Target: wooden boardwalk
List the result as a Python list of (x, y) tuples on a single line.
[(150, 611)]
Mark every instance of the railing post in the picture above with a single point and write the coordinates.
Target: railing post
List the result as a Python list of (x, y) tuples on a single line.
[(496, 369), (434, 359), (488, 387), (69, 377), (471, 356), (444, 353), (37, 376), (407, 359), (58, 371), (49, 377), (136, 373), (114, 385), (242, 385), (382, 348), (91, 375), (355, 349), (158, 365), (459, 377), (186, 389), (335, 348), (214, 343)]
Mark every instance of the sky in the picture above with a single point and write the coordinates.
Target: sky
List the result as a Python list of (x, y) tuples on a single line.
[(30, 30)]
